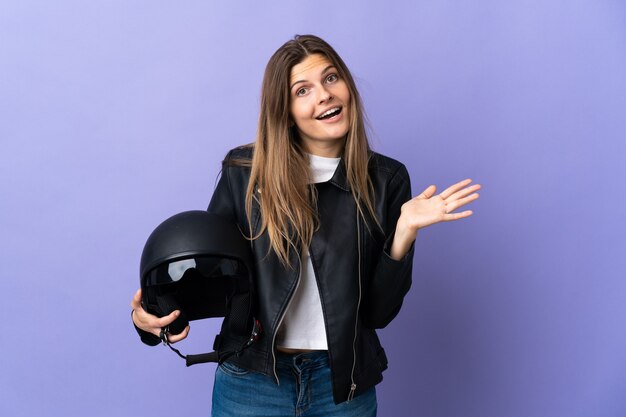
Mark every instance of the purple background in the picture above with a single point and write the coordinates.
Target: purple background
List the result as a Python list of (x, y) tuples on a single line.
[(115, 115)]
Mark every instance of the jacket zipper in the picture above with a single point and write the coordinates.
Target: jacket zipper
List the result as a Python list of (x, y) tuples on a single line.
[(283, 313), (356, 320), (283, 316), (358, 306)]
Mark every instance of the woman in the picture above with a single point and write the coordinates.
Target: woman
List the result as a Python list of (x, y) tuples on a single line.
[(332, 226)]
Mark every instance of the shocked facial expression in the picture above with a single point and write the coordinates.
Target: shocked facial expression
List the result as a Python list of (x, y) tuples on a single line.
[(319, 105)]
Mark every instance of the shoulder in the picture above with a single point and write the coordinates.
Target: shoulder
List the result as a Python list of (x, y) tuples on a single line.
[(386, 167), (234, 176), (239, 156)]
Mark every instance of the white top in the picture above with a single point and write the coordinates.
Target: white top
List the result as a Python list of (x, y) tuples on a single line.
[(303, 324), (322, 168)]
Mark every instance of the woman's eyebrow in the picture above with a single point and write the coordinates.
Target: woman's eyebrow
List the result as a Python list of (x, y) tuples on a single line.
[(327, 68), (324, 71)]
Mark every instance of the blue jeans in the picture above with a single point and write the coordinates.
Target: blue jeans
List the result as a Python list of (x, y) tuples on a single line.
[(305, 390)]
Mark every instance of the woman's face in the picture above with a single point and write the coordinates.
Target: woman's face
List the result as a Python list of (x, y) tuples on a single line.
[(319, 105)]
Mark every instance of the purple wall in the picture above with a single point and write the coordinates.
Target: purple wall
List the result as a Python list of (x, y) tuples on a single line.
[(115, 115)]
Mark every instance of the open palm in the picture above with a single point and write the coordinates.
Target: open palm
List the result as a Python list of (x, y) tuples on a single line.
[(427, 208)]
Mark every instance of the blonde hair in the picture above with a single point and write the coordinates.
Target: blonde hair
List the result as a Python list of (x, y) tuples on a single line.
[(280, 169)]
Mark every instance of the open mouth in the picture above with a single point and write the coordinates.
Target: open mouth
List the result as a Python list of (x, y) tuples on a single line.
[(335, 111)]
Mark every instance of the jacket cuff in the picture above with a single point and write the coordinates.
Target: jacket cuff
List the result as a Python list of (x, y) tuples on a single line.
[(401, 269), (407, 257)]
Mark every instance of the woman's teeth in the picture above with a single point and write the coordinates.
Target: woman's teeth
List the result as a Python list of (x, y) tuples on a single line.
[(330, 113)]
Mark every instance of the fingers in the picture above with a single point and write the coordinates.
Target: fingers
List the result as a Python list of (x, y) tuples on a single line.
[(458, 195), (140, 316), (425, 210), (136, 301), (456, 216), (454, 188), (428, 192), (167, 320), (453, 205), (178, 337), (153, 322), (149, 322), (464, 192)]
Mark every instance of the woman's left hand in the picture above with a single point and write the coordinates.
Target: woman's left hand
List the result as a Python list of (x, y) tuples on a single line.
[(427, 209)]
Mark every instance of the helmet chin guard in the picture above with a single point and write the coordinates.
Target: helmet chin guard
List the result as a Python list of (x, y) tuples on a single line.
[(200, 264)]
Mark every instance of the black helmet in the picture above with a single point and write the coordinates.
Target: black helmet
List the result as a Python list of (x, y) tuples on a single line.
[(199, 263)]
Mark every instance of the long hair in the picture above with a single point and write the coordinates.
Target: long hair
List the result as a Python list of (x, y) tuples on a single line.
[(280, 178)]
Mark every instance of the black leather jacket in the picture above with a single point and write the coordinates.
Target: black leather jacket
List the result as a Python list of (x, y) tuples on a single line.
[(361, 288)]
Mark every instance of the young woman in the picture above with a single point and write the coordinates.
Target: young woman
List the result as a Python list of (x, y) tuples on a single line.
[(332, 226)]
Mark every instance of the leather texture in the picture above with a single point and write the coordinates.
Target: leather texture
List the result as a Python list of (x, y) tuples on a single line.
[(361, 287)]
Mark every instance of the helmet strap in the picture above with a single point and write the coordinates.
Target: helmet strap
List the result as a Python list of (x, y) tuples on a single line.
[(255, 335), (166, 342)]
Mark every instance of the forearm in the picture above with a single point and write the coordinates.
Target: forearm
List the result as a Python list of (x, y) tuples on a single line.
[(403, 238)]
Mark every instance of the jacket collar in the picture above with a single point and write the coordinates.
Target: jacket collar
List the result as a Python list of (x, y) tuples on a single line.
[(340, 178)]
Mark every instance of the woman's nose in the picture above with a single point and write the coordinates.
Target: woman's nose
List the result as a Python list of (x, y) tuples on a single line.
[(325, 95)]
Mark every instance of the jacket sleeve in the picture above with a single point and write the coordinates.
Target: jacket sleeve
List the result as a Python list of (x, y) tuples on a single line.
[(222, 202), (391, 279)]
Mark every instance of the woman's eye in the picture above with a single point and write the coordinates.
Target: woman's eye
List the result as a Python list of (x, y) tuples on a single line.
[(332, 78), (301, 91)]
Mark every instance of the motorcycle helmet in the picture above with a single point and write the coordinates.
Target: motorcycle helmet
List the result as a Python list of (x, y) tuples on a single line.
[(200, 264)]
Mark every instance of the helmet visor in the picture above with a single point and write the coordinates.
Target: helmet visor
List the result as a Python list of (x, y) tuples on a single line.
[(201, 286), (207, 267)]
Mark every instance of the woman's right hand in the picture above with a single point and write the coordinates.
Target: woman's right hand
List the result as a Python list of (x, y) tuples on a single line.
[(153, 324)]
